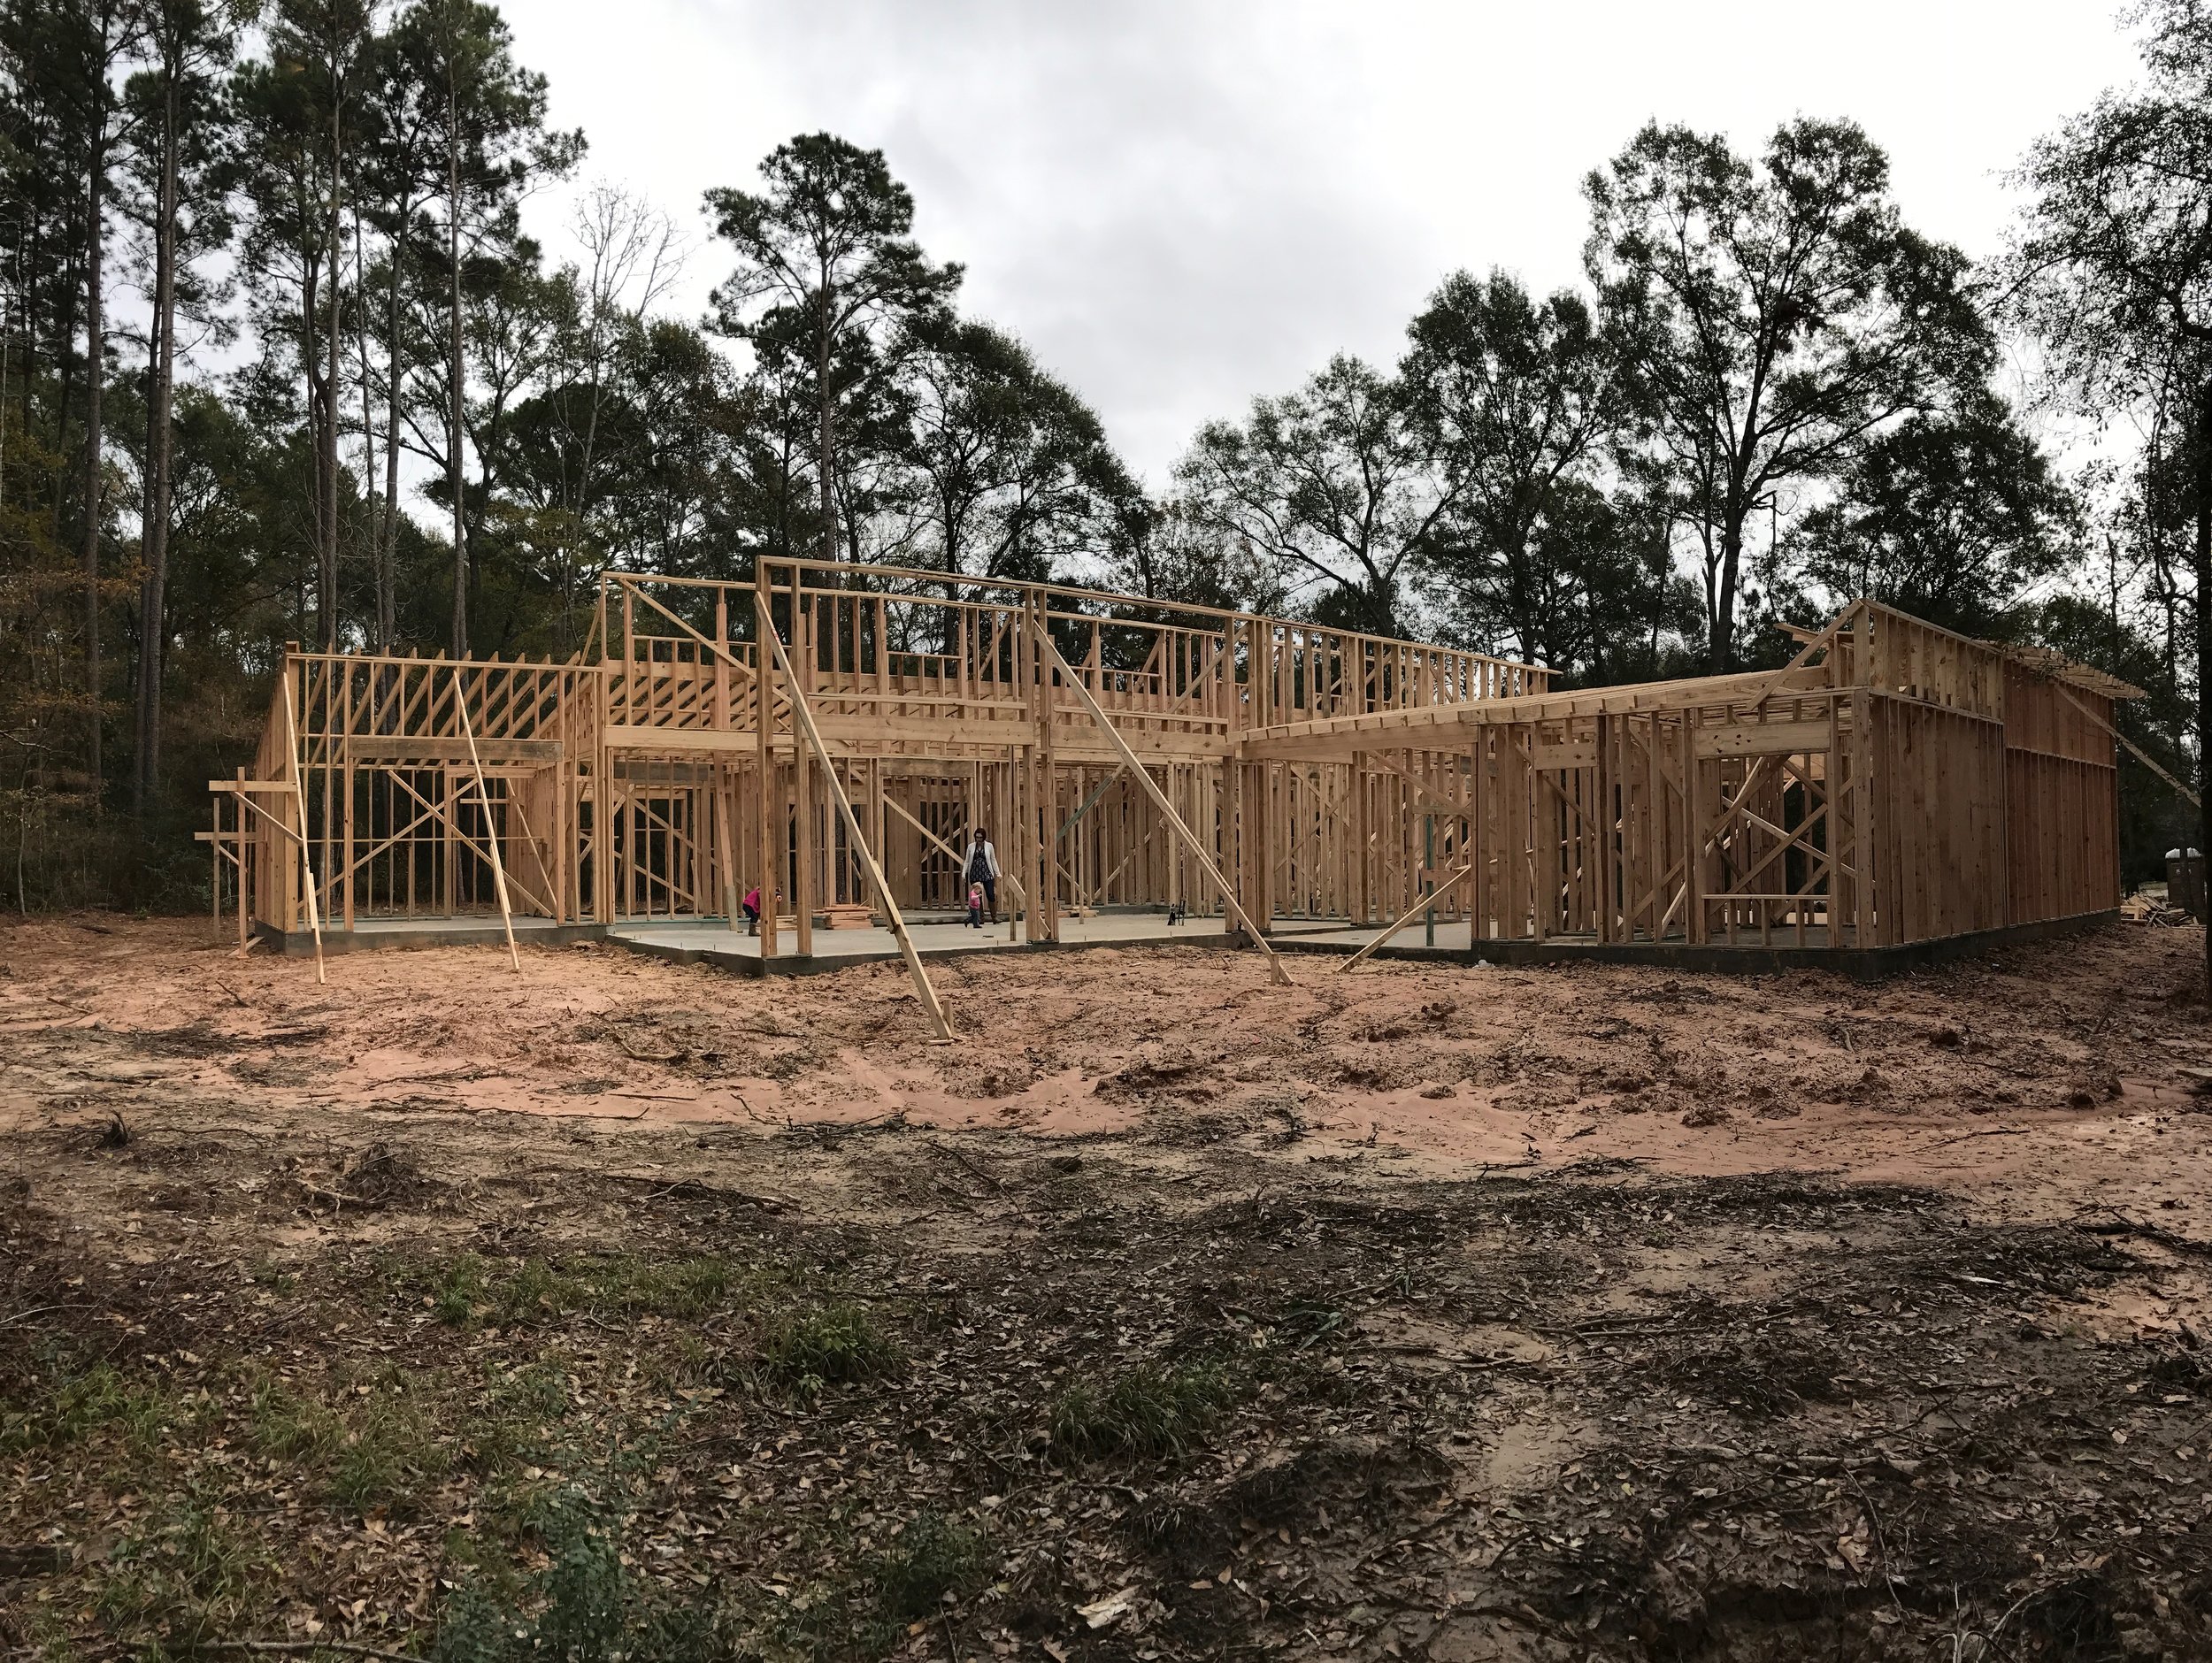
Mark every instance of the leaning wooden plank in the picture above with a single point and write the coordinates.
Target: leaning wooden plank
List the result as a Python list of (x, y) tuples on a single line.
[(1045, 644), (299, 797), (805, 717), (1420, 904), (1089, 803), (892, 803), (491, 837), (2134, 750), (720, 650), (1422, 795)]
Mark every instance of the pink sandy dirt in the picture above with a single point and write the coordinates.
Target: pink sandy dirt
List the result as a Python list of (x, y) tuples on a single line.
[(2042, 1082)]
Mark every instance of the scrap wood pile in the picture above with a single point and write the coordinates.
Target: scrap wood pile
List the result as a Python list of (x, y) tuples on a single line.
[(2152, 910)]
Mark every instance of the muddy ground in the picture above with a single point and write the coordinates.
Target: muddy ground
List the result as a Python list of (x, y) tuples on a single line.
[(623, 1309)]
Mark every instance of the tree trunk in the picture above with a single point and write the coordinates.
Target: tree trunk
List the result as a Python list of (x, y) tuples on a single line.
[(822, 386), (1720, 647), (387, 533), (381, 639), (96, 351), (148, 550), (2203, 562), (152, 600), (454, 366), (329, 528), (65, 368)]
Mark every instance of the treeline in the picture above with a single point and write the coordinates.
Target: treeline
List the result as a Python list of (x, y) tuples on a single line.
[(279, 361)]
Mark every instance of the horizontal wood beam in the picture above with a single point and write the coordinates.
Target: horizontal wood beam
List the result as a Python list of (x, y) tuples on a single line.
[(385, 747), (1761, 738)]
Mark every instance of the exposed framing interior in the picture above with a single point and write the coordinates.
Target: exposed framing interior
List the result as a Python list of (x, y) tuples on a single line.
[(1894, 784)]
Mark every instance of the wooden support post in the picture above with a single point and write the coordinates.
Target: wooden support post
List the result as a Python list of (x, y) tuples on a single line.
[(1599, 859), (601, 797), (801, 774), (1406, 917), (299, 802), (768, 818), (630, 696), (345, 742), (215, 862), (1047, 906), (875, 776), (724, 811), (721, 717), (1694, 828), (803, 719), (1052, 659), (491, 835), (1363, 898)]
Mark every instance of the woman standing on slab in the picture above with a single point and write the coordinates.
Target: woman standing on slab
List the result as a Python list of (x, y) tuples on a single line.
[(982, 868)]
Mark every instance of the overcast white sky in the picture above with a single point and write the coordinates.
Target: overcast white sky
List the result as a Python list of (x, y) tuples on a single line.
[(1181, 205)]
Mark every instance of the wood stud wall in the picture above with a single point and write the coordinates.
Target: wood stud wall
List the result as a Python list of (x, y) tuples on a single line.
[(1895, 783)]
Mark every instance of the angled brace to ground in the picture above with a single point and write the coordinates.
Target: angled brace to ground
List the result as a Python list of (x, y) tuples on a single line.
[(1159, 800), (803, 718)]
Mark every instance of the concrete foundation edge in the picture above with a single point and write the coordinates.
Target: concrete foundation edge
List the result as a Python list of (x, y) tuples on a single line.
[(300, 944), (1861, 964), (792, 964)]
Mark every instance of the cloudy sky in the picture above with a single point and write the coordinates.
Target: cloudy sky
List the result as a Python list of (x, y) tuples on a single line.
[(1181, 205)]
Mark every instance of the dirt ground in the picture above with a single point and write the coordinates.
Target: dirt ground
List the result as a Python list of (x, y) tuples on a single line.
[(621, 1309)]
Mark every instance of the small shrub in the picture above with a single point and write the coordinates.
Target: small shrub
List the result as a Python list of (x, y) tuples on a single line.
[(589, 1609), (585, 1592), (931, 1558), (1145, 1411)]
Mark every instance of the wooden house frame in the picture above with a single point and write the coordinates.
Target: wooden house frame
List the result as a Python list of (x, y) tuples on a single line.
[(1894, 784)]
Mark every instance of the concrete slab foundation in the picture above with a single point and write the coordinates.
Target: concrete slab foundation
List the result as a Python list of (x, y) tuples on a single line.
[(712, 942)]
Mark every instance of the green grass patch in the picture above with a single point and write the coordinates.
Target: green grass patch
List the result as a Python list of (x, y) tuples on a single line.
[(836, 1344), (863, 1610), (1145, 1411), (266, 1272), (185, 1577), (389, 1450), (287, 1425), (71, 1407), (468, 1290), (369, 1441), (459, 1291), (517, 1417)]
